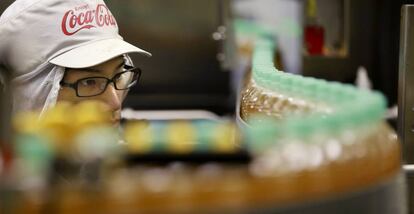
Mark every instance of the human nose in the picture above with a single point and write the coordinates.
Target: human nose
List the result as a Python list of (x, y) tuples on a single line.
[(111, 98)]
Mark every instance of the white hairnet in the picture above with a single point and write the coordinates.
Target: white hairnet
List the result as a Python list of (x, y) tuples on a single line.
[(37, 90)]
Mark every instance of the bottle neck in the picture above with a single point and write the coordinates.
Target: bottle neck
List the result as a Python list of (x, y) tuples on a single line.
[(311, 13)]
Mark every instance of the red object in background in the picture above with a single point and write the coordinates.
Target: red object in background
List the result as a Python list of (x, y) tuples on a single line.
[(314, 39), (6, 156)]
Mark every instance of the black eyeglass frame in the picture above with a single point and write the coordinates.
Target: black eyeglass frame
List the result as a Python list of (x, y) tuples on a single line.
[(137, 75)]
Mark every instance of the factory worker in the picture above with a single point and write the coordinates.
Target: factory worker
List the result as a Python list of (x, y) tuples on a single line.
[(61, 50)]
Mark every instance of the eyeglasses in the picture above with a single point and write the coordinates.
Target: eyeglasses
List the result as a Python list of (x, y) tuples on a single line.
[(94, 86)]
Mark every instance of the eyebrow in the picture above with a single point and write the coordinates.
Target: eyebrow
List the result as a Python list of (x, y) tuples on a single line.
[(96, 70)]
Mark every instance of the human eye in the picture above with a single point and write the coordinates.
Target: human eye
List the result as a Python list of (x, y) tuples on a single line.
[(88, 82), (91, 86)]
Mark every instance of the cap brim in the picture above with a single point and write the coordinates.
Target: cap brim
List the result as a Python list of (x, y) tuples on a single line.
[(95, 53)]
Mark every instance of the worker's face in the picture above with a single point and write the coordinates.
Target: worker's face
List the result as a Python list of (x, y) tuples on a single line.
[(111, 97)]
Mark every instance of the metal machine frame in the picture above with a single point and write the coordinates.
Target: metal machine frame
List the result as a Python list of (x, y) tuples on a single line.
[(406, 96)]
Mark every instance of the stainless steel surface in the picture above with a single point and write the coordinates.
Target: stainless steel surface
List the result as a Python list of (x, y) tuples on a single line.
[(406, 84), (406, 96), (387, 197), (409, 169)]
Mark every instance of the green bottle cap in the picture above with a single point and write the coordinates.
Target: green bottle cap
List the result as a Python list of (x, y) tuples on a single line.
[(262, 132)]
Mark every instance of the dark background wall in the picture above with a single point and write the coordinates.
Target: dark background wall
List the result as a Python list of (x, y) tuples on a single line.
[(184, 71)]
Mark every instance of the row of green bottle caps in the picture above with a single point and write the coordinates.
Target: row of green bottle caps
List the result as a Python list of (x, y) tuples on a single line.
[(352, 107)]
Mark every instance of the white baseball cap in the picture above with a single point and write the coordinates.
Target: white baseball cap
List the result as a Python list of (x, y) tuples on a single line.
[(67, 33), (40, 38)]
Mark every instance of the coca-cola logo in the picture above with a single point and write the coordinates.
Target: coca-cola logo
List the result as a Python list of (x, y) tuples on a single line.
[(85, 18)]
